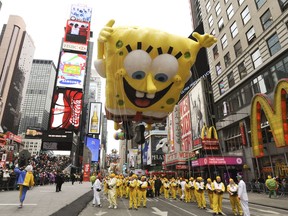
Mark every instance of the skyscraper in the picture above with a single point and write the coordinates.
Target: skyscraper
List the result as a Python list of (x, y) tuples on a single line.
[(37, 102), (16, 55)]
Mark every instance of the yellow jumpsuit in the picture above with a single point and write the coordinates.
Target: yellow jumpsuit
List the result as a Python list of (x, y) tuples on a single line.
[(166, 187), (218, 188), (200, 197), (210, 193), (119, 187), (192, 190), (174, 188), (187, 192), (133, 193), (233, 197), (142, 192)]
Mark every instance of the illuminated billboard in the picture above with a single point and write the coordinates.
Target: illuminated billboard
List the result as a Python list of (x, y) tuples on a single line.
[(77, 35), (81, 13), (93, 145), (66, 110), (71, 71), (95, 118), (57, 140), (198, 112), (185, 122)]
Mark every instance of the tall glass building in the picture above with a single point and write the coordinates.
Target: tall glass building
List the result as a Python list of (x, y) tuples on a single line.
[(36, 104), (16, 54)]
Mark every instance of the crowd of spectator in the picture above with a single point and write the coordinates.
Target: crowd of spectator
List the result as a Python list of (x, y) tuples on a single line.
[(45, 167)]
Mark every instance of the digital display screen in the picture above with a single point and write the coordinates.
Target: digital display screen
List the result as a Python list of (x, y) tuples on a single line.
[(71, 72), (66, 110), (93, 145)]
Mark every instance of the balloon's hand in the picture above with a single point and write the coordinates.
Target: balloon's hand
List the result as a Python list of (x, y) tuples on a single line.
[(106, 32), (205, 40)]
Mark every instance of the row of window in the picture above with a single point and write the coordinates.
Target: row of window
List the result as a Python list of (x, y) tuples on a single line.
[(266, 21), (273, 45), (263, 83), (36, 91)]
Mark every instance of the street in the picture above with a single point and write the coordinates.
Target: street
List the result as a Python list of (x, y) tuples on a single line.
[(77, 200), (170, 207)]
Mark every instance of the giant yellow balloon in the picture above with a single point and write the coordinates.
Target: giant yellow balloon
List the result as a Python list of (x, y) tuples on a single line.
[(145, 70)]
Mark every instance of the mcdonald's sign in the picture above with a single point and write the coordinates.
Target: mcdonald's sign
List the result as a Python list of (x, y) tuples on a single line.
[(275, 114), (209, 138)]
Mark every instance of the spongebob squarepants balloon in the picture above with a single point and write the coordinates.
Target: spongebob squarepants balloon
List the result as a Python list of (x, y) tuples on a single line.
[(145, 70)]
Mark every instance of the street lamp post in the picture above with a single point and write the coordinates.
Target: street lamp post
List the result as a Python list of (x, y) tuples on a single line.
[(189, 166)]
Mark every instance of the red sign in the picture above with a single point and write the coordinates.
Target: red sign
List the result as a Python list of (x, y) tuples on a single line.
[(66, 110), (178, 158), (210, 144), (86, 174), (185, 121), (184, 167), (11, 136), (243, 135)]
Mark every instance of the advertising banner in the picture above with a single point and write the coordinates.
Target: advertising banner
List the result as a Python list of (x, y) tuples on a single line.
[(178, 157), (217, 161), (81, 13), (57, 140), (71, 73), (66, 110), (86, 174), (11, 136), (198, 112), (93, 145), (77, 35), (171, 128), (95, 118), (146, 151), (157, 155), (185, 121), (133, 157), (33, 132)]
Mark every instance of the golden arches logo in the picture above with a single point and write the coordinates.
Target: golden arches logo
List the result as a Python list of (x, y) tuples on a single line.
[(209, 138), (276, 116), (209, 133)]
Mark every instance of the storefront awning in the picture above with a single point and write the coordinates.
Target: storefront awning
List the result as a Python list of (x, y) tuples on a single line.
[(217, 161)]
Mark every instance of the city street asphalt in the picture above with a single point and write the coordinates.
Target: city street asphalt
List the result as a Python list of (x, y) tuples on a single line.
[(73, 199)]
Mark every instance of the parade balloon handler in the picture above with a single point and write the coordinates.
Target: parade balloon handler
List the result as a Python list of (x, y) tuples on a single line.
[(25, 181)]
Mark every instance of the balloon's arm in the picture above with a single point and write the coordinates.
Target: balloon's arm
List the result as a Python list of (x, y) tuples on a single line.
[(205, 40), (103, 36), (100, 53)]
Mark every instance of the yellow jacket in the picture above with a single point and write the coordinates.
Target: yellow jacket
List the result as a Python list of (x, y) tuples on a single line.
[(29, 179)]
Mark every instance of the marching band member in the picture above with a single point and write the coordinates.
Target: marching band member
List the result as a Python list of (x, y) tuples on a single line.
[(218, 187), (174, 188), (209, 192), (142, 191), (200, 197), (119, 186), (187, 191), (166, 186), (133, 192), (232, 189), (192, 189)]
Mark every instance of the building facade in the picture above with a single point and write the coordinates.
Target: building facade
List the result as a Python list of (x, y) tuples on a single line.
[(250, 57), (16, 55), (37, 101)]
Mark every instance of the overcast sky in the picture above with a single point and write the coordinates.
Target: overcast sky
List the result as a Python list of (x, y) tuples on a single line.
[(45, 20)]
